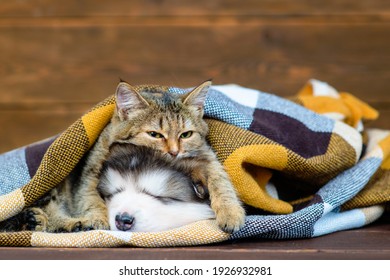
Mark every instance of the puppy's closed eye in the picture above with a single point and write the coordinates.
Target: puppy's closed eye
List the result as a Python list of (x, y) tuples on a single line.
[(166, 199), (107, 194)]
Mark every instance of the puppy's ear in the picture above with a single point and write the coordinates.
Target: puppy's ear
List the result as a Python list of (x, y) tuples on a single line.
[(127, 98)]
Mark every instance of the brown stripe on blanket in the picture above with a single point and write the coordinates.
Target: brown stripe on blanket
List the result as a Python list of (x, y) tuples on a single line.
[(35, 153), (377, 191), (11, 239), (320, 169), (226, 138), (291, 133), (58, 162)]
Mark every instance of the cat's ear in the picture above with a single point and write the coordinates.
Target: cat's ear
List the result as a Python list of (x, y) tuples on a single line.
[(197, 96), (127, 98)]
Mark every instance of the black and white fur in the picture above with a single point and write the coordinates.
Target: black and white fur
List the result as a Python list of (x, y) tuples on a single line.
[(146, 192)]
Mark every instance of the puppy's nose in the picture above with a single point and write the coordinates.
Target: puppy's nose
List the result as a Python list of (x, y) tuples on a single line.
[(123, 221)]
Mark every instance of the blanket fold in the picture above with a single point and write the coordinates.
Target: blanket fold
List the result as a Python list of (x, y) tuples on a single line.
[(307, 164)]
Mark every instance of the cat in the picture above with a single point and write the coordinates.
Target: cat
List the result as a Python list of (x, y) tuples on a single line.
[(147, 191), (167, 122)]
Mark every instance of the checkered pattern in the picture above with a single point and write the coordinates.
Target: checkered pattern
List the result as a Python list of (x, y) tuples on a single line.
[(13, 171), (297, 164)]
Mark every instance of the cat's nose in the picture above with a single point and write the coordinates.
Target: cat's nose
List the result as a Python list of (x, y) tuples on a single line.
[(173, 152), (172, 147), (124, 221)]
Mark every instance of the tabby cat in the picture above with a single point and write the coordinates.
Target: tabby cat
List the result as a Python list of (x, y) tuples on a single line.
[(167, 122)]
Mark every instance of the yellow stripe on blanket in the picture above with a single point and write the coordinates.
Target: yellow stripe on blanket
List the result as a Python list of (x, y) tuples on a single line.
[(250, 190), (202, 232), (96, 120), (56, 163), (11, 204), (385, 146), (324, 99), (377, 190), (18, 239), (88, 239)]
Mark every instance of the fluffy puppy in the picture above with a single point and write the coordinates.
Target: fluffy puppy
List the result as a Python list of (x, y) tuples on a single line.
[(146, 191)]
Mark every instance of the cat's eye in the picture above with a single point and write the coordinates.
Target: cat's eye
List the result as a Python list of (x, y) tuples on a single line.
[(155, 134), (186, 134)]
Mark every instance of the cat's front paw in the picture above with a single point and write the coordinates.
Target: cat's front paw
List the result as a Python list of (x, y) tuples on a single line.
[(90, 224), (230, 218), (80, 224), (35, 219), (98, 224)]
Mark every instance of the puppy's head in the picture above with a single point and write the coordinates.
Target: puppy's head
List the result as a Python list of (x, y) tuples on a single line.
[(144, 194)]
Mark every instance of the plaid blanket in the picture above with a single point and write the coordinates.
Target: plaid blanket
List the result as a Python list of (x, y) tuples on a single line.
[(303, 166)]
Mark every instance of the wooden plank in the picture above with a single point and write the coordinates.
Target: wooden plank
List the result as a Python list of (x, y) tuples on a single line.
[(83, 63), (383, 120), (21, 128), (41, 8)]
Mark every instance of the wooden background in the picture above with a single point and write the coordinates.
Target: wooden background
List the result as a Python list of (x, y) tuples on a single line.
[(59, 58)]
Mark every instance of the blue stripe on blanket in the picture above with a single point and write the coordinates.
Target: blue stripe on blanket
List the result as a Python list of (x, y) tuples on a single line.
[(220, 107), (13, 170), (348, 183), (280, 105), (335, 221), (295, 225)]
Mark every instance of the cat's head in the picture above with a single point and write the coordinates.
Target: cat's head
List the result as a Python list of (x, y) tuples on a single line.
[(169, 122)]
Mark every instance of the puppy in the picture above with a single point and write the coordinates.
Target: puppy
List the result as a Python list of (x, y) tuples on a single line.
[(145, 191)]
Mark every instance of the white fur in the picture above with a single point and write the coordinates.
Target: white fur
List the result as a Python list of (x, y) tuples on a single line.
[(153, 182), (116, 180), (150, 213)]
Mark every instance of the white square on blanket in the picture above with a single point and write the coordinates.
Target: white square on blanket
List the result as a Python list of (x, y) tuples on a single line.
[(241, 95)]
